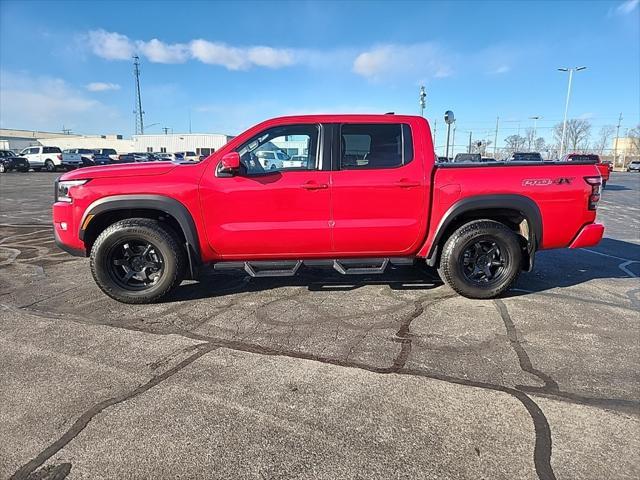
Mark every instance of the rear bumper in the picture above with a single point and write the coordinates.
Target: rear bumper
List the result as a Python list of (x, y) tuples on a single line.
[(588, 236)]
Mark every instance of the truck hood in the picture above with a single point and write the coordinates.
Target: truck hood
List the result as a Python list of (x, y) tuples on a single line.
[(124, 170)]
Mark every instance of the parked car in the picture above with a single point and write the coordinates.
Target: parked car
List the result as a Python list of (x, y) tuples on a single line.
[(126, 158), (633, 166), (50, 158), (144, 157), (166, 157), (187, 156), (609, 165), (110, 152), (100, 158), (271, 159), (146, 227), (10, 161), (296, 161), (525, 157), (467, 157), (86, 155), (590, 158)]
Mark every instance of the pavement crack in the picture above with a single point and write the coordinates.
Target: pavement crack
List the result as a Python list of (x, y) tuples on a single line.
[(516, 344), (24, 472)]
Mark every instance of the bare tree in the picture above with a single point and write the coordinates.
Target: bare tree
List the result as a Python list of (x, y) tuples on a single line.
[(529, 135), (514, 143), (634, 140), (577, 134), (604, 138), (480, 146)]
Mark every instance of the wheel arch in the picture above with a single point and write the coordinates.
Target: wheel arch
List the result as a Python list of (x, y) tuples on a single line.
[(519, 212), (108, 210)]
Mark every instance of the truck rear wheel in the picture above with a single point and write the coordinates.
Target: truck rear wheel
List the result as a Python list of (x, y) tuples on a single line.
[(137, 260), (49, 166), (481, 259)]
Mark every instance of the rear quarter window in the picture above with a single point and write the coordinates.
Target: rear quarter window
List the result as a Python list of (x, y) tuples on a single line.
[(51, 150)]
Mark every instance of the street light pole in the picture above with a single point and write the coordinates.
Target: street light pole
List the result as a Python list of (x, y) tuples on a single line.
[(566, 105)]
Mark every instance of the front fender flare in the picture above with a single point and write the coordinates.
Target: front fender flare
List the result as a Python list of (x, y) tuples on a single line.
[(165, 204)]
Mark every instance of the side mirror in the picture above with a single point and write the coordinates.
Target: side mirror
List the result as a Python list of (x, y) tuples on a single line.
[(230, 164)]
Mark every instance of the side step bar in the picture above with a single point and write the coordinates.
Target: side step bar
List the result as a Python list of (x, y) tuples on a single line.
[(288, 268)]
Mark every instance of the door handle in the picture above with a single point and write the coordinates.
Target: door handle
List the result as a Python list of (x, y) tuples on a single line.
[(406, 183), (314, 186)]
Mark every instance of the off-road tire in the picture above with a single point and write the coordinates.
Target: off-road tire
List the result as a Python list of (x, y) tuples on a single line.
[(162, 237), (49, 166), (450, 268)]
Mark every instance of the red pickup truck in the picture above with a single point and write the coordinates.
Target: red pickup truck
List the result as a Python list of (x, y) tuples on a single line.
[(358, 193)]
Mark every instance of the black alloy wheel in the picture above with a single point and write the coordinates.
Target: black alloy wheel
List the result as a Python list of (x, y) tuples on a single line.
[(135, 264), (483, 262)]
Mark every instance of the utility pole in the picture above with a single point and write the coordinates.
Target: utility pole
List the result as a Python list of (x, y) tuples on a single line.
[(165, 129), (469, 149), (435, 129), (615, 152), (423, 100), (453, 141), (495, 138), (138, 111), (535, 119), (566, 105), (189, 120)]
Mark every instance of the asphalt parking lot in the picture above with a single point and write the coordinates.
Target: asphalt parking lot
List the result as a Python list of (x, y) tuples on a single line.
[(313, 376)]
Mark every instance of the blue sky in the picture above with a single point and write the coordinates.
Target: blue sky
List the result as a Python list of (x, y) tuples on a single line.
[(229, 65)]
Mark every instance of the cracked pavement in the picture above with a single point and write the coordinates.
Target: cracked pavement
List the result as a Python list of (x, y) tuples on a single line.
[(320, 375)]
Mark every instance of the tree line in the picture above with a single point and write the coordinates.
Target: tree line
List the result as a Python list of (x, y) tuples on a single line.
[(578, 138)]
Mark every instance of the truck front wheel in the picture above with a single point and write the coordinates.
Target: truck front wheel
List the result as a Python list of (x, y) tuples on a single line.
[(137, 261), (481, 259)]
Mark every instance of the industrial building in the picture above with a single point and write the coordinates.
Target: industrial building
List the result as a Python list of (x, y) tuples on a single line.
[(202, 144)]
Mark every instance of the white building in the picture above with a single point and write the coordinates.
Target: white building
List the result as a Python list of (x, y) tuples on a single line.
[(200, 143)]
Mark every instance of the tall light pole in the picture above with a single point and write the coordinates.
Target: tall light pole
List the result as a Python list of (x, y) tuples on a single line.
[(566, 105), (423, 100), (535, 119)]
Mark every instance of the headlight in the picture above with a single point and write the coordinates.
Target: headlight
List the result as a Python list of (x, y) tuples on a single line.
[(63, 188)]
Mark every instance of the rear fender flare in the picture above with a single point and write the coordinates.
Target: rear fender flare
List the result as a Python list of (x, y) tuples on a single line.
[(525, 205)]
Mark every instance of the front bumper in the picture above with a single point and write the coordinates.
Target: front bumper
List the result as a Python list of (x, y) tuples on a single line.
[(588, 236), (66, 230)]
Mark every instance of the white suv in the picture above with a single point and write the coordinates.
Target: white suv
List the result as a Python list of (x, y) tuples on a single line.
[(187, 156), (50, 158)]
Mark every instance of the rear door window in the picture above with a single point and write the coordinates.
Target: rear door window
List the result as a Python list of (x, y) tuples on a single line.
[(375, 146), (51, 150)]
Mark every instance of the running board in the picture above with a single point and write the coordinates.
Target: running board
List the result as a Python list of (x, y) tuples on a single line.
[(288, 268)]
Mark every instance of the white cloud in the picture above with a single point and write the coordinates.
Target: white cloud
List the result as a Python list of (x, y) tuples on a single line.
[(47, 103), (627, 7), (501, 69), (160, 52), (219, 54), (235, 58), (413, 60), (110, 45), (101, 86)]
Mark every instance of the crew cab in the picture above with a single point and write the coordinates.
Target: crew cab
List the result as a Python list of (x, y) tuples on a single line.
[(369, 198), (603, 168), (50, 158)]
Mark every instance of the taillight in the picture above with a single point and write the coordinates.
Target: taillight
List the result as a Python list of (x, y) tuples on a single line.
[(594, 197), (59, 157)]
